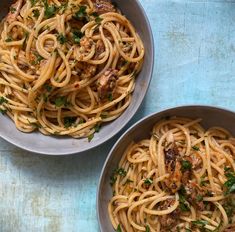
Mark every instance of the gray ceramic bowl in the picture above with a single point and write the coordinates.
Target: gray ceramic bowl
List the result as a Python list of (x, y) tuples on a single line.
[(211, 116), (38, 143)]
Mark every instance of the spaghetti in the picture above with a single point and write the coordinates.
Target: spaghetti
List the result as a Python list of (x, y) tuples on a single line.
[(67, 66), (180, 179)]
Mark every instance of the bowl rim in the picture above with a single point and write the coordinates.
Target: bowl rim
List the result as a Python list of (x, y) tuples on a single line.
[(114, 132), (133, 127)]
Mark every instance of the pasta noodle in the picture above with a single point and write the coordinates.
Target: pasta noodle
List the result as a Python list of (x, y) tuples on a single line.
[(67, 66), (180, 179)]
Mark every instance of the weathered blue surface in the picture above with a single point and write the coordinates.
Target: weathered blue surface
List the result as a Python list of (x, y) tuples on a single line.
[(195, 50)]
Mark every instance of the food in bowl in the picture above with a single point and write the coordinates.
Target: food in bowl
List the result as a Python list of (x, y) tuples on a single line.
[(181, 178), (67, 66)]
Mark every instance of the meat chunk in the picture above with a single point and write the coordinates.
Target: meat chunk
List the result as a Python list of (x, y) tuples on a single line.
[(171, 156), (85, 70), (195, 195), (170, 220), (14, 11), (103, 6), (86, 44), (173, 167), (173, 183), (107, 83)]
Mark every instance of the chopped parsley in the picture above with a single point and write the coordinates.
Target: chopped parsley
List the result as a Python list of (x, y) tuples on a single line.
[(77, 35), (33, 2), (184, 206), (229, 208), (98, 19), (230, 183), (148, 181), (3, 112), (36, 13), (110, 97), (81, 14), (199, 198), (61, 101), (50, 10), (195, 148), (147, 229), (48, 87), (97, 128), (186, 165), (69, 121), (3, 100), (38, 59), (9, 39), (203, 182), (119, 228), (63, 7), (90, 137), (118, 171), (12, 9), (61, 38)]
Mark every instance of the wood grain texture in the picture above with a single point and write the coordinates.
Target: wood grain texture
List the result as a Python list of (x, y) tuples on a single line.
[(194, 64)]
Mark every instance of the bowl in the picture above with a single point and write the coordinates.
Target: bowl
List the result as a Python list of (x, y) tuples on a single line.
[(38, 143), (211, 116)]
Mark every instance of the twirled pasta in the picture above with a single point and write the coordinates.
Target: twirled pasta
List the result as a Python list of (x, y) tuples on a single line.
[(180, 179), (67, 66)]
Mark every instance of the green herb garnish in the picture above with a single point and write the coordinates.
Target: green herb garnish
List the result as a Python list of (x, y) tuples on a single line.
[(48, 87), (36, 13), (98, 19), (186, 165), (119, 228), (110, 97), (81, 13), (230, 183), (184, 206), (97, 128), (12, 9), (3, 100), (50, 10), (90, 137), (61, 38), (118, 171), (147, 228), (9, 39), (61, 101), (199, 198), (3, 112), (69, 121), (33, 2), (195, 148), (39, 58), (77, 35), (203, 182), (148, 181)]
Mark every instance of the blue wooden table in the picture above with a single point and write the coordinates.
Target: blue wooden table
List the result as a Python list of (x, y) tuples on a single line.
[(194, 64)]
